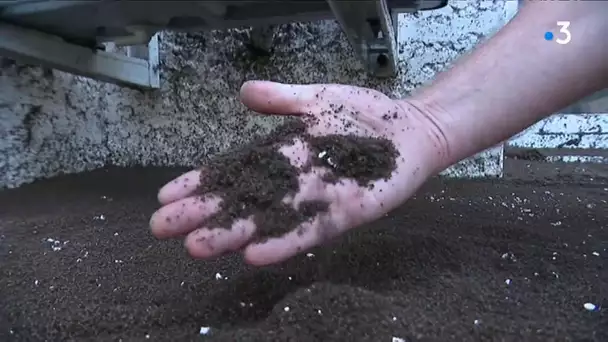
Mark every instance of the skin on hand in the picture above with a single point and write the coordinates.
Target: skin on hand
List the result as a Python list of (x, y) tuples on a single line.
[(415, 135)]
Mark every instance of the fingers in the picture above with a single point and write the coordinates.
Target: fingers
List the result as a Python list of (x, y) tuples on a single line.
[(277, 250), (278, 98), (350, 206), (181, 187), (206, 243), (183, 216), (308, 235)]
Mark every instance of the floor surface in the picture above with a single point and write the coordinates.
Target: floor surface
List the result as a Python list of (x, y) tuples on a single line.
[(513, 259)]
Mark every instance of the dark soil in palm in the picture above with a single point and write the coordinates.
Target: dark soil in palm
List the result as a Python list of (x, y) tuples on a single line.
[(362, 159), (254, 180), (78, 263)]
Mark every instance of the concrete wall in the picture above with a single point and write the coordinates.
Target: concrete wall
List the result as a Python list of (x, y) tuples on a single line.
[(53, 123), (573, 137)]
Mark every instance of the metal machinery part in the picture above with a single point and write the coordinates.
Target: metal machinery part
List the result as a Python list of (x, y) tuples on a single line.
[(69, 35)]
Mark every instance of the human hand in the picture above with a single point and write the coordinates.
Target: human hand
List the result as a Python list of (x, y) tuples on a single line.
[(345, 203)]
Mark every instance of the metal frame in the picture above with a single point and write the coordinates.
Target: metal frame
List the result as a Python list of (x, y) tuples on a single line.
[(76, 29), (139, 69), (371, 31)]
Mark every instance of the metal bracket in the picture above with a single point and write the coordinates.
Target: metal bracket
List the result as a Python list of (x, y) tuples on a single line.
[(370, 29), (39, 48)]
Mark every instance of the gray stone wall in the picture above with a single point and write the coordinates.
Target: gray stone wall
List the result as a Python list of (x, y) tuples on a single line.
[(53, 123)]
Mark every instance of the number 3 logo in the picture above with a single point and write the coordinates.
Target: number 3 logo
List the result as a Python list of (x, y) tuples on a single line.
[(564, 29)]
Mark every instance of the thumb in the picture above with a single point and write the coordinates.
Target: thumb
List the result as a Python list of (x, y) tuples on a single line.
[(278, 98)]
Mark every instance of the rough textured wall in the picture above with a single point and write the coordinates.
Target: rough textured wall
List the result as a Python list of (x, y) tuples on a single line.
[(52, 122)]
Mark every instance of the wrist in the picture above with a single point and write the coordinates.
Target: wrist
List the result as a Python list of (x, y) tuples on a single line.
[(436, 147)]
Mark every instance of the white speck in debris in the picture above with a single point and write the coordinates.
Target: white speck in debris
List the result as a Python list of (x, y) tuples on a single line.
[(596, 253), (36, 282), (11, 331), (394, 318), (555, 274), (289, 278), (182, 283), (589, 306), (56, 245), (118, 261), (286, 308), (322, 154), (204, 330), (476, 322), (398, 339), (147, 336), (330, 162), (509, 256), (555, 224), (310, 255), (115, 234), (242, 304), (218, 276), (508, 281), (99, 217), (319, 312), (78, 260)]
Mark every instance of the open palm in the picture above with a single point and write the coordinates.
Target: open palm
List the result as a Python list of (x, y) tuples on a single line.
[(334, 109)]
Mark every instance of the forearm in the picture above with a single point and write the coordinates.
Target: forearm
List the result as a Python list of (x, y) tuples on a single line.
[(517, 78)]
